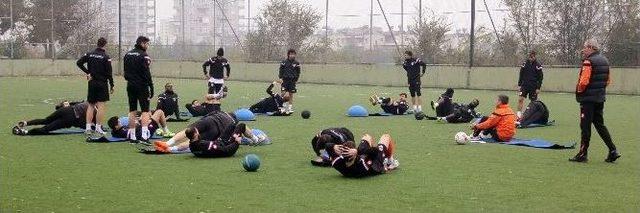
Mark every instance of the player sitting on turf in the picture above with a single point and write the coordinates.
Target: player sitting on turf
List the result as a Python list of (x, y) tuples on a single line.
[(210, 104), (396, 107), (536, 113), (158, 120), (273, 103), (65, 116), (500, 125), (367, 159), (333, 136), (211, 128), (168, 101), (444, 105)]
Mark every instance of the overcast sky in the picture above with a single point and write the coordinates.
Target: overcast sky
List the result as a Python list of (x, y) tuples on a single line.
[(355, 13)]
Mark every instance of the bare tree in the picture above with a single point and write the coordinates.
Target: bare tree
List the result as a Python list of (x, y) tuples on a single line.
[(428, 37), (281, 24), (622, 43), (523, 13)]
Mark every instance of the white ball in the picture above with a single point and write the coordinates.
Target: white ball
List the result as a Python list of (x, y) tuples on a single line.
[(462, 138)]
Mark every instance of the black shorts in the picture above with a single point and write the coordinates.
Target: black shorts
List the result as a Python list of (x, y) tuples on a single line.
[(528, 92), (289, 86), (138, 95), (97, 92), (214, 88), (414, 88)]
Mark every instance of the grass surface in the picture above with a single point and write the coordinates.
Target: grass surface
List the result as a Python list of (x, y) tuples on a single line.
[(65, 174)]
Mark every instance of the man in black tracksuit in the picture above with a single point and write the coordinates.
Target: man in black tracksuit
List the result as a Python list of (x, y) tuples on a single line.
[(139, 86), (591, 93), (168, 101), (216, 75), (272, 104), (336, 136), (460, 113), (64, 117), (365, 160), (414, 73), (444, 104), (530, 81), (99, 73), (289, 74)]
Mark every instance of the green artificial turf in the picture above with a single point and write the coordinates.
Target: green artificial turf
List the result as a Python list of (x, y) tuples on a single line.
[(65, 174)]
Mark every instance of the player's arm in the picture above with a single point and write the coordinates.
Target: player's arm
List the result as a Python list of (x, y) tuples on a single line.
[(228, 68), (540, 75), (423, 66), (270, 89), (281, 70), (585, 76), (521, 73), (147, 73), (109, 72), (491, 122), (205, 65), (80, 63), (297, 72)]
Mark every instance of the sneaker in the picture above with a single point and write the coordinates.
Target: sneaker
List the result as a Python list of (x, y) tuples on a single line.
[(373, 100), (17, 131), (159, 132), (22, 124), (613, 156), (580, 158), (391, 163), (89, 132), (161, 146)]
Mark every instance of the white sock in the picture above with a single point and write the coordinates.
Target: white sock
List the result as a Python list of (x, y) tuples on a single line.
[(88, 126), (519, 114), (415, 108), (131, 133), (165, 129), (170, 142), (99, 128), (145, 133), (290, 107), (419, 108)]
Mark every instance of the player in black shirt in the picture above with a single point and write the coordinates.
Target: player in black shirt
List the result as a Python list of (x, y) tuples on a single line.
[(272, 104), (168, 101), (215, 135), (216, 75), (444, 105), (365, 160), (64, 117), (289, 73), (210, 104), (139, 86), (396, 107), (414, 73), (530, 81), (328, 136), (99, 73)]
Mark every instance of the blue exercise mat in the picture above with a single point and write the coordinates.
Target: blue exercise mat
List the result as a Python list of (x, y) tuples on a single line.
[(535, 143), (111, 139), (67, 131), (550, 123)]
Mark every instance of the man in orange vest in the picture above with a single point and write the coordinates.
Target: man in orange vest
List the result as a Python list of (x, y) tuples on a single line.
[(500, 125)]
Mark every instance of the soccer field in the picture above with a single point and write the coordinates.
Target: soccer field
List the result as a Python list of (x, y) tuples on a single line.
[(65, 174)]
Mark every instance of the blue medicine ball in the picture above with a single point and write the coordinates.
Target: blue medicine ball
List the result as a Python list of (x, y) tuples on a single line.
[(251, 162), (357, 111), (245, 115)]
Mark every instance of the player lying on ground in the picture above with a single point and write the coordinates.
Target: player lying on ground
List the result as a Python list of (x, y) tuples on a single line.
[(273, 103), (333, 136), (396, 107), (444, 105), (65, 116), (168, 101), (210, 104), (367, 159), (158, 125), (536, 113), (462, 113), (500, 125), (212, 136)]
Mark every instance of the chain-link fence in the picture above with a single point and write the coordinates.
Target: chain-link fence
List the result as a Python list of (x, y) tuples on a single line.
[(327, 31)]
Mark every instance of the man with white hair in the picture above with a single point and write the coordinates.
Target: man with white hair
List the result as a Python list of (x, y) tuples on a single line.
[(591, 93)]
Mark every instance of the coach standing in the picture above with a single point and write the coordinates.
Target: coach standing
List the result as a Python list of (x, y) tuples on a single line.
[(414, 72), (591, 94), (99, 73), (139, 86), (289, 73), (530, 81)]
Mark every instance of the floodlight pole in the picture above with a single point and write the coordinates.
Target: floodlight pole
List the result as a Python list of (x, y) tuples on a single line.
[(228, 22), (184, 40), (472, 33), (402, 23), (420, 12), (390, 29), (119, 36), (214, 25), (248, 16), (11, 26), (371, 27), (53, 46)]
